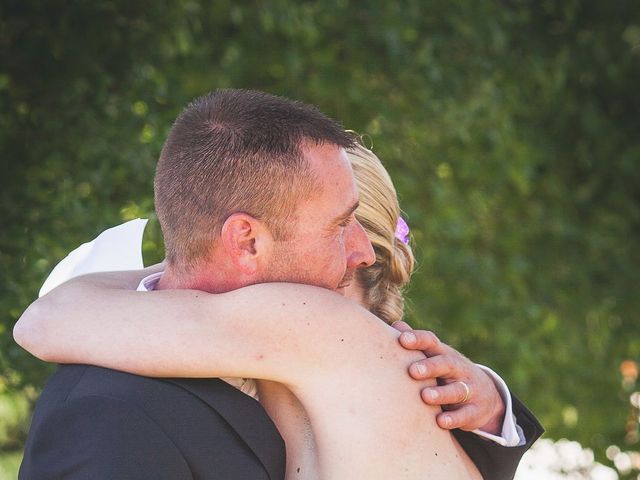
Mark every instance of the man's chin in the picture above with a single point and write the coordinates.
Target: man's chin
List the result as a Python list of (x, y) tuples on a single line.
[(341, 290), (345, 283)]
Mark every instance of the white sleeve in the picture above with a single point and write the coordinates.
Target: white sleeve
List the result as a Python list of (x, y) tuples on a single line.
[(512, 434), (117, 248)]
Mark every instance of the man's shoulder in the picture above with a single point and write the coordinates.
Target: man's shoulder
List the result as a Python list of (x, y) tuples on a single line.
[(74, 385), (87, 397), (82, 431), (206, 422), (157, 397), (73, 381)]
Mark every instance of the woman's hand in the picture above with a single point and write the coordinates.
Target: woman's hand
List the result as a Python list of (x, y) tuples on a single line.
[(466, 392)]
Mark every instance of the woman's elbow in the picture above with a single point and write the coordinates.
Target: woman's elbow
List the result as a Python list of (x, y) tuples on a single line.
[(29, 332)]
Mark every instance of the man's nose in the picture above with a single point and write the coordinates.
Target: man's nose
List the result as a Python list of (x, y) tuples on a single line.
[(361, 253)]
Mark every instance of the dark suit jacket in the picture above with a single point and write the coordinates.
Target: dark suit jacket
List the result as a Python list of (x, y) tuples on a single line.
[(96, 423), (494, 461)]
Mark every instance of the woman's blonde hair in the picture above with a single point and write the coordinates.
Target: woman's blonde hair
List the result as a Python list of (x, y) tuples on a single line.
[(384, 281)]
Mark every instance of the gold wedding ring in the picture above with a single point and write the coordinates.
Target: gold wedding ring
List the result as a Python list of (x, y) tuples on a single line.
[(467, 391)]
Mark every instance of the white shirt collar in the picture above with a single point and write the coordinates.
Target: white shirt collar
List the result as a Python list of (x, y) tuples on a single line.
[(149, 282)]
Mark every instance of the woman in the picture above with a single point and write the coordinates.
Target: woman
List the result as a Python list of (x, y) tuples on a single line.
[(338, 401)]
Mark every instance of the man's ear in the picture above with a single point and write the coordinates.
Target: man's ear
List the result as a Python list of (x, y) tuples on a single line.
[(246, 240)]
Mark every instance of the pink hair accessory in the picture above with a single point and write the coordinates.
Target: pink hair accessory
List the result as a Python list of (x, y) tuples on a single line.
[(402, 231)]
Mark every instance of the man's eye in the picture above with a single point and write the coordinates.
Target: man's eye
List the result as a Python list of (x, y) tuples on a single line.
[(346, 222)]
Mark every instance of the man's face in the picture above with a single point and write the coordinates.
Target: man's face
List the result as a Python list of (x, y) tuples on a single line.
[(326, 244)]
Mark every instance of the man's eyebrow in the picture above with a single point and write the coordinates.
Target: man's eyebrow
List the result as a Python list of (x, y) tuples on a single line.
[(348, 213)]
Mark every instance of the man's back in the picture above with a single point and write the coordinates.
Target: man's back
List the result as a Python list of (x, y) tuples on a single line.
[(97, 423)]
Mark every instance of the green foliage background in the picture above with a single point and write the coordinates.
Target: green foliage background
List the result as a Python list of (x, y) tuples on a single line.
[(510, 128)]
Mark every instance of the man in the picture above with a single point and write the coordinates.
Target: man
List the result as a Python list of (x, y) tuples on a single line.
[(249, 187)]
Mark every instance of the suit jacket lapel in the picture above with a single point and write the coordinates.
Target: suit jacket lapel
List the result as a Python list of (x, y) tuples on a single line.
[(246, 416)]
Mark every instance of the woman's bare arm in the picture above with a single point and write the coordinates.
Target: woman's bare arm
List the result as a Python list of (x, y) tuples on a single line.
[(269, 331), (342, 362)]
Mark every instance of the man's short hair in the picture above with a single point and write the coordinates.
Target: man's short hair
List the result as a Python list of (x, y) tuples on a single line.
[(235, 151)]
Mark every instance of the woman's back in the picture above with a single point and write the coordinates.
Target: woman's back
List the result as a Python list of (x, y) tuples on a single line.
[(343, 364), (367, 418)]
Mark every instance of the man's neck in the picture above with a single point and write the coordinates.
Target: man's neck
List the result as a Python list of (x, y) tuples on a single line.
[(207, 278)]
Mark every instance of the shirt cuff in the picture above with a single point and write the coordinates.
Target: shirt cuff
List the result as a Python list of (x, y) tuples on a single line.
[(512, 434)]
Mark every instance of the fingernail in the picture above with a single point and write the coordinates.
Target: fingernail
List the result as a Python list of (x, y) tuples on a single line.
[(409, 337), (421, 369), (446, 420), (432, 394)]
